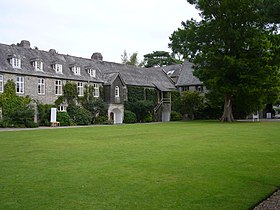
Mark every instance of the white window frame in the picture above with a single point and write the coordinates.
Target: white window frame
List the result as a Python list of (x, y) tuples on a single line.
[(1, 83), (62, 108), (117, 91), (76, 70), (58, 68), (20, 84), (58, 87), (80, 89), (92, 72), (95, 90), (38, 65), (41, 86), (15, 62)]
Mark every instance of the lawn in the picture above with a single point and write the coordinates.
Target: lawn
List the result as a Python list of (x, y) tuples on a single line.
[(189, 165)]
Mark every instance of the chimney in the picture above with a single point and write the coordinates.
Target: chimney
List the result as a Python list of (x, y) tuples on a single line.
[(24, 44), (97, 56)]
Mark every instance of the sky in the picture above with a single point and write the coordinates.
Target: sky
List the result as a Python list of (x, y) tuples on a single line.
[(82, 27)]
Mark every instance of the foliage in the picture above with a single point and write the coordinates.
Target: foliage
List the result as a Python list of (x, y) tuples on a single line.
[(95, 105), (141, 93), (142, 108), (148, 117), (64, 119), (79, 115), (141, 101), (44, 111), (235, 50), (176, 116), (17, 111), (132, 60), (155, 166), (129, 117), (176, 101), (191, 103), (70, 94), (159, 58), (101, 119)]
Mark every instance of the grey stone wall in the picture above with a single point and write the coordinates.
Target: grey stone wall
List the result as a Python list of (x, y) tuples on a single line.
[(31, 87)]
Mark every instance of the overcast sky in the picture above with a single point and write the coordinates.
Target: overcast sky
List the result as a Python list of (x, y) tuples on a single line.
[(81, 27)]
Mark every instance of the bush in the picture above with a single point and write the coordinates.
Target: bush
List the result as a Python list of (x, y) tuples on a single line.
[(79, 115), (141, 108), (129, 117), (148, 118), (44, 111), (101, 119), (63, 118), (176, 116)]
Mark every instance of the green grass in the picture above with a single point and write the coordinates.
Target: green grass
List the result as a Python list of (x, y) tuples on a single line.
[(191, 165)]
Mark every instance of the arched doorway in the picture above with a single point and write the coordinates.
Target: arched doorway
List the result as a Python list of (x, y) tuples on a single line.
[(112, 116), (116, 116)]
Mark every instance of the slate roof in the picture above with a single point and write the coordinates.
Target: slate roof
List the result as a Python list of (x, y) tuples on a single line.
[(27, 55), (136, 76), (131, 75), (184, 74)]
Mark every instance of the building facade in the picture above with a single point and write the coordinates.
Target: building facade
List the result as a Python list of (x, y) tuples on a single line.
[(42, 74)]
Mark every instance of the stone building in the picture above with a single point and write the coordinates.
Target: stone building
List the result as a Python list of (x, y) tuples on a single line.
[(42, 74)]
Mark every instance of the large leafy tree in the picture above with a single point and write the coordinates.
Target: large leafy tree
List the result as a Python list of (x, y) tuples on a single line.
[(234, 48)]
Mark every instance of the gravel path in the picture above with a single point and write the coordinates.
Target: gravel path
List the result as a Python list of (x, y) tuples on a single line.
[(271, 203)]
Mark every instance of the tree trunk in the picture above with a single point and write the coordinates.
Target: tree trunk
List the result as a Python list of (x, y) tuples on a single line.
[(227, 115)]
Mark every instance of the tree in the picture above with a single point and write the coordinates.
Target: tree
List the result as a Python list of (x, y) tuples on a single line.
[(234, 48), (159, 58), (17, 111), (132, 60)]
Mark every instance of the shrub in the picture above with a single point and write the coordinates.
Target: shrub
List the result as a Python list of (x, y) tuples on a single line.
[(17, 111), (101, 119), (148, 118), (176, 116), (79, 115), (63, 118), (141, 108), (44, 111), (129, 117)]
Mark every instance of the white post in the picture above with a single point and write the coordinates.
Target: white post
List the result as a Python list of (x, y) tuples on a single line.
[(53, 116)]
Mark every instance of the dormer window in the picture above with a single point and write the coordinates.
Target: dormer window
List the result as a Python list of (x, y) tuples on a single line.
[(76, 70), (15, 61), (57, 67), (91, 72), (117, 92), (38, 65)]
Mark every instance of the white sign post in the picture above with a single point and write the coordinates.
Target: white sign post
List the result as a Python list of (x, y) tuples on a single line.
[(53, 117)]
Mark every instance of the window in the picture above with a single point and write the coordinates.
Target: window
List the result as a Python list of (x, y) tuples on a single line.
[(1, 83), (58, 87), (117, 91), (199, 88), (57, 68), (41, 86), (80, 89), (15, 62), (38, 65), (92, 72), (96, 90), (76, 70), (62, 108), (20, 85)]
